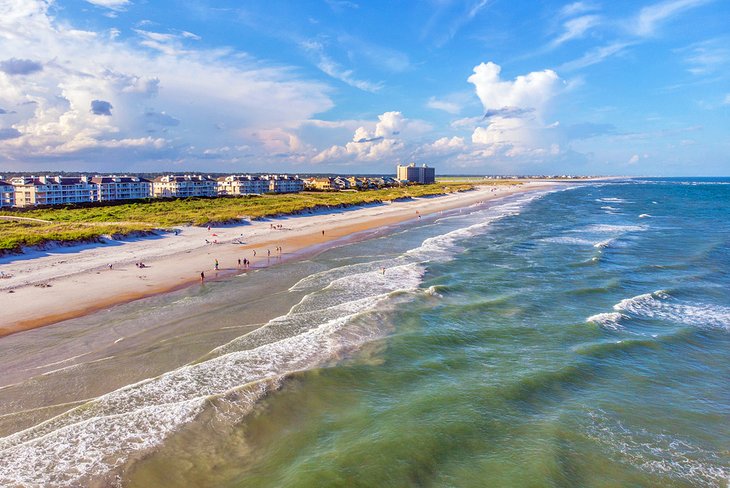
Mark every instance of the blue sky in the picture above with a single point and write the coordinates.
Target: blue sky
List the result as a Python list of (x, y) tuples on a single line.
[(469, 86)]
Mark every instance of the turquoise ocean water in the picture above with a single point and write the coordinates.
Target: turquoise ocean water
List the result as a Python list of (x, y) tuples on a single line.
[(578, 337)]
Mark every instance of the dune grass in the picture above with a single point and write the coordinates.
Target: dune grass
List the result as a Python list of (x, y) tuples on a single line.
[(72, 224)]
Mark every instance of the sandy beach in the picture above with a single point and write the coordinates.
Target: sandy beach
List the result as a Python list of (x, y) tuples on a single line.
[(46, 287)]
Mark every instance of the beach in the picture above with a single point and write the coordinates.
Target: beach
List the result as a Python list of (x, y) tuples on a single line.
[(65, 282)]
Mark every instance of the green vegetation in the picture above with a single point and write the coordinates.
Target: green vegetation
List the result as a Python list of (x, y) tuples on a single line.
[(68, 224)]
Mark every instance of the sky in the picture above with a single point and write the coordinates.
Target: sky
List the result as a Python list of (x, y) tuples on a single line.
[(353, 86)]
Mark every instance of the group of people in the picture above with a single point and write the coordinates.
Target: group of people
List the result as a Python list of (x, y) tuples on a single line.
[(140, 265), (276, 226)]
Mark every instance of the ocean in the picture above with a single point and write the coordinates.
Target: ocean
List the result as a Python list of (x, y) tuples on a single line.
[(578, 336)]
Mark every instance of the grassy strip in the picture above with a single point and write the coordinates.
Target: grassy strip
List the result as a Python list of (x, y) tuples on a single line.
[(70, 224)]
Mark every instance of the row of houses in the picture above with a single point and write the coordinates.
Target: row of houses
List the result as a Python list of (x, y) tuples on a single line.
[(351, 183), (28, 191)]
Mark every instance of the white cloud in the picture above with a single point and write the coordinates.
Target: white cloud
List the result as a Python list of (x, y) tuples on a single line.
[(446, 106), (215, 95), (577, 8), (596, 55), (650, 17), (381, 141), (111, 4), (708, 56), (531, 91), (633, 159), (514, 110), (576, 28), (331, 68), (726, 101)]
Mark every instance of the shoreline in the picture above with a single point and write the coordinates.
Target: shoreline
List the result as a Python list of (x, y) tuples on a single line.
[(46, 290)]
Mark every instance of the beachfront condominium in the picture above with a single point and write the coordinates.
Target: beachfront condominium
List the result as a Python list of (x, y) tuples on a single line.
[(416, 174), (53, 190), (251, 185), (122, 187), (182, 186), (285, 184), (7, 194), (242, 185)]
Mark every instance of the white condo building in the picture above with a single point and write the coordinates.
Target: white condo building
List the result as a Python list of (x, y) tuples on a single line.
[(242, 185), (122, 187), (182, 186), (285, 184), (53, 190)]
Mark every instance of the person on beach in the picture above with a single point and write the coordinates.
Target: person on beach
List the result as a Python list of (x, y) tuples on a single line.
[(382, 269), (254, 253), (216, 265), (322, 232), (239, 262), (268, 252), (110, 265), (202, 276)]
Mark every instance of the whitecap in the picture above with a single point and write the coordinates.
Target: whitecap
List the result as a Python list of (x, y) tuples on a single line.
[(609, 320), (660, 305)]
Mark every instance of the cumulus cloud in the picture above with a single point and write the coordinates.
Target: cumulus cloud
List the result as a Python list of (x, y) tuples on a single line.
[(443, 146), (14, 66), (531, 91), (514, 110), (381, 141), (101, 107), (231, 94)]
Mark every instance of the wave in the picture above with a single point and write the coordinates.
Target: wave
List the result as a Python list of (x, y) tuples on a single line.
[(658, 453), (611, 200), (92, 440), (660, 305), (643, 216), (604, 244), (433, 249), (611, 228), (609, 320)]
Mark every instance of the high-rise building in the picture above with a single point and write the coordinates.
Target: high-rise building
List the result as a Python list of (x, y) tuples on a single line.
[(416, 174)]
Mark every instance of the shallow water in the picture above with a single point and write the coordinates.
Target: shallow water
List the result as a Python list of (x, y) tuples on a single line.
[(573, 338)]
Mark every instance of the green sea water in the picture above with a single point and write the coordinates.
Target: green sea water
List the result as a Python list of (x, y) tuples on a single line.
[(574, 338)]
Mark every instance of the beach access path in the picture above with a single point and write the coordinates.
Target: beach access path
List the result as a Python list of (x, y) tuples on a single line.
[(49, 286)]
